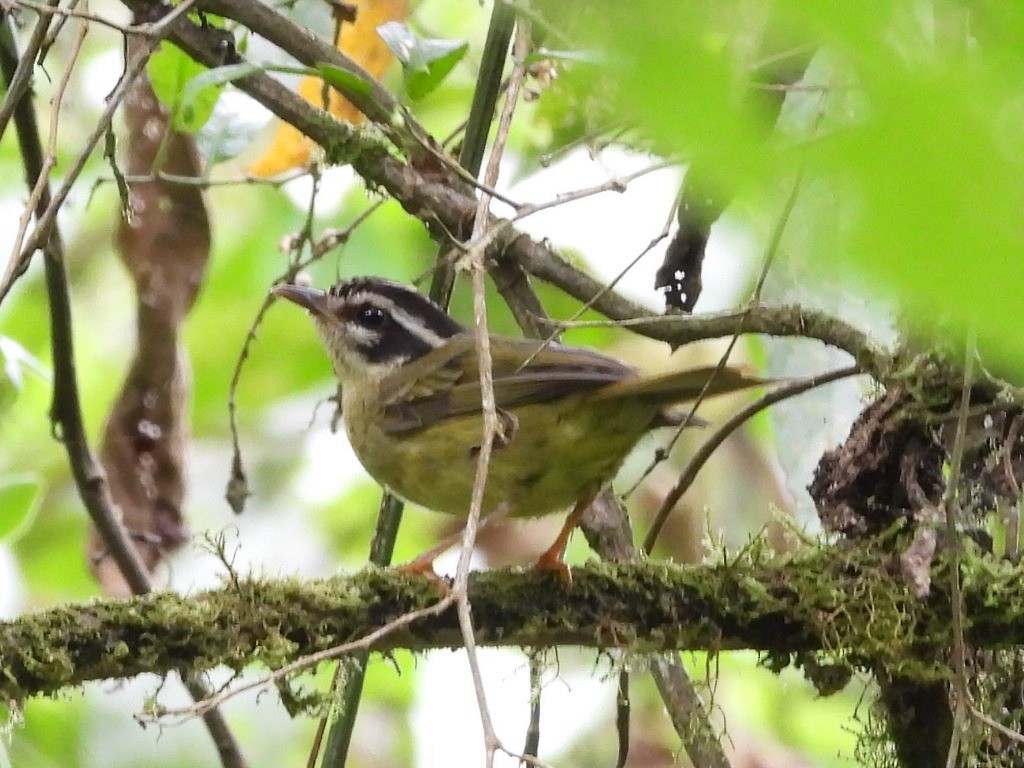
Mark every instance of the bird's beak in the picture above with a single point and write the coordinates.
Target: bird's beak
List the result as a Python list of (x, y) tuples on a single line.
[(312, 299)]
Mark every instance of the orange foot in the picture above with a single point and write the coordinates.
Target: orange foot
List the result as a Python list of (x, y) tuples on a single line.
[(424, 566), (551, 560)]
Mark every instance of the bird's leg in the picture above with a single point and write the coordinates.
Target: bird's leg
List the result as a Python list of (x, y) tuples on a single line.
[(551, 560), (423, 564)]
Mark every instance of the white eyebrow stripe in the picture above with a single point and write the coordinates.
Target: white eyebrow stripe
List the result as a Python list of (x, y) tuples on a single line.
[(366, 297), (413, 324), (416, 326)]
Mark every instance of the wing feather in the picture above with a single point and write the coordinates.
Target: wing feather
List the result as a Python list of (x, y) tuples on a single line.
[(445, 383)]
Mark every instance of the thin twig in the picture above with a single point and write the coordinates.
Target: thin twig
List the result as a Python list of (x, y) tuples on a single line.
[(490, 428), (588, 138), (474, 262), (699, 459), (623, 709), (1011, 518), (775, 241), (306, 662), (50, 159), (20, 79), (22, 253), (618, 184), (163, 177), (66, 413), (963, 703), (44, 9), (532, 745), (237, 489), (1009, 733)]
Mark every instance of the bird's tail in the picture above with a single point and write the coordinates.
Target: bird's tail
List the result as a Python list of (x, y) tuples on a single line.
[(685, 385)]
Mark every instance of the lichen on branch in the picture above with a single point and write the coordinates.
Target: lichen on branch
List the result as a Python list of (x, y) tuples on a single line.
[(848, 601)]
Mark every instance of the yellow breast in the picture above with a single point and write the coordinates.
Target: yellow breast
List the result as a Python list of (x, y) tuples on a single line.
[(557, 451)]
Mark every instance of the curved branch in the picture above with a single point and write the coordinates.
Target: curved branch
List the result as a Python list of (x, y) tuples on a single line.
[(541, 261), (447, 209)]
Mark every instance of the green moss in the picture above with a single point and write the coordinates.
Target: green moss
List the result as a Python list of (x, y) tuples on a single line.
[(829, 609)]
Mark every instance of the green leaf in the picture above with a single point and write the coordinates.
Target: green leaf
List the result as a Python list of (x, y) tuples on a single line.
[(425, 62), (579, 57), (200, 94), (18, 499), (342, 79), (169, 69), (189, 89), (917, 145)]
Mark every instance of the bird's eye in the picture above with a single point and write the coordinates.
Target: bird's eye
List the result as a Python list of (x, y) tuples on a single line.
[(373, 318)]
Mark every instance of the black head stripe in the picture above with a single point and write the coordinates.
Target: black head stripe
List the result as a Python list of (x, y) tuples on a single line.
[(394, 344), (397, 322), (370, 316), (404, 298)]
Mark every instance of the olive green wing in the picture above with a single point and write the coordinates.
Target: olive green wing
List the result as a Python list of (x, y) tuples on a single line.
[(445, 383)]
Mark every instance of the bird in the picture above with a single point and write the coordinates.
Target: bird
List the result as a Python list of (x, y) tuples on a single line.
[(411, 404)]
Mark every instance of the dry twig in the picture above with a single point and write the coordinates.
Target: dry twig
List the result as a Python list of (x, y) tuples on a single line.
[(473, 261)]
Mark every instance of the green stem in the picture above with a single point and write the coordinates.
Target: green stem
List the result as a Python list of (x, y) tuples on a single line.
[(481, 115), (382, 548)]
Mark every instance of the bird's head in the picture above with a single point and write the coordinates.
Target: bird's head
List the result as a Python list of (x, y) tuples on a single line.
[(371, 326)]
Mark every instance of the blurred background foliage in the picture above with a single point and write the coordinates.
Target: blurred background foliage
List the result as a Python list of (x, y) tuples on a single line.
[(906, 134)]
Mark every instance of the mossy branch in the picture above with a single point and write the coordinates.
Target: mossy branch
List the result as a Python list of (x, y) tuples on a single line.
[(849, 601)]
